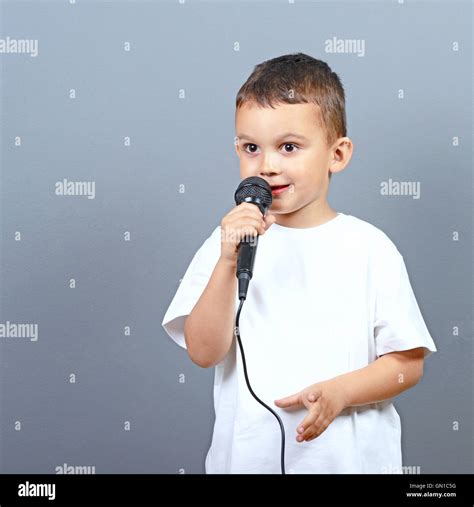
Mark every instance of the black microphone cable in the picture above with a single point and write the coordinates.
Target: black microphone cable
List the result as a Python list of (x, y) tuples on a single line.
[(257, 191), (282, 428)]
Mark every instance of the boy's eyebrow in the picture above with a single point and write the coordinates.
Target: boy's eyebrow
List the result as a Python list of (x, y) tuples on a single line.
[(283, 136)]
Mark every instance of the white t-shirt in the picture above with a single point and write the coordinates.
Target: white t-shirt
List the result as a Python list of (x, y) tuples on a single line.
[(323, 301)]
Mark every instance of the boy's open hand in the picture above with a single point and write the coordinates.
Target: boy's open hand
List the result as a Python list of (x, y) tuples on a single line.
[(324, 401)]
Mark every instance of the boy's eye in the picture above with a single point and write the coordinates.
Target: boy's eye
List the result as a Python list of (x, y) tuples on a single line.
[(289, 144), (249, 144), (255, 146)]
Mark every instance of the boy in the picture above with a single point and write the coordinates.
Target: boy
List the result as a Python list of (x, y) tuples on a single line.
[(331, 329)]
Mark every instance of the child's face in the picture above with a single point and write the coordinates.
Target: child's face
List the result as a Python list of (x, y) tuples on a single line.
[(265, 149)]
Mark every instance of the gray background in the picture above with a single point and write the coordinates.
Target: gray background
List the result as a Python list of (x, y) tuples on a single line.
[(189, 142)]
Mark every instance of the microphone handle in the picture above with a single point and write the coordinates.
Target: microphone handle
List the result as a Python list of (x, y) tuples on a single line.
[(245, 262)]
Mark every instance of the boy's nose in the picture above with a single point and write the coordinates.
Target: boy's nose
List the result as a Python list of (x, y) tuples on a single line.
[(270, 165)]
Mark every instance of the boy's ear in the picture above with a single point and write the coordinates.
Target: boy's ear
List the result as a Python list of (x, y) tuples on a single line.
[(342, 154), (236, 147)]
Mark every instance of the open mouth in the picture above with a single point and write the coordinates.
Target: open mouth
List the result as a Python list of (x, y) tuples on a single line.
[(279, 189)]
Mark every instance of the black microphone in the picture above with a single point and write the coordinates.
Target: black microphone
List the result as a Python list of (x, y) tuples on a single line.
[(257, 191)]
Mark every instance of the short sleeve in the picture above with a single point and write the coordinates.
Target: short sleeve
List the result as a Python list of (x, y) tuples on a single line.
[(398, 323), (192, 285)]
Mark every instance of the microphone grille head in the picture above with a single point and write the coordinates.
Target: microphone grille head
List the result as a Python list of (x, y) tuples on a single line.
[(255, 190)]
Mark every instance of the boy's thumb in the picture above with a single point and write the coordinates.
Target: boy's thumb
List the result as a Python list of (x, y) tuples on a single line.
[(269, 220)]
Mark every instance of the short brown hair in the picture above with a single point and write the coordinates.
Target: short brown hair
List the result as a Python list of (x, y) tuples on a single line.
[(296, 79)]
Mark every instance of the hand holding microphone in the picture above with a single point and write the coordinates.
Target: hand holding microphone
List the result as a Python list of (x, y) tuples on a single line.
[(256, 194), (241, 227)]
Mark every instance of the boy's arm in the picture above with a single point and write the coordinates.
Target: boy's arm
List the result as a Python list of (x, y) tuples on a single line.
[(209, 328), (386, 377)]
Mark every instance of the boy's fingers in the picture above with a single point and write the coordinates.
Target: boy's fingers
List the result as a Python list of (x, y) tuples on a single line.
[(243, 205), (310, 397), (318, 427), (288, 401), (300, 399), (309, 420)]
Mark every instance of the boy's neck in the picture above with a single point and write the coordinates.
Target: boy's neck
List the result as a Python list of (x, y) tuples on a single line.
[(313, 214)]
